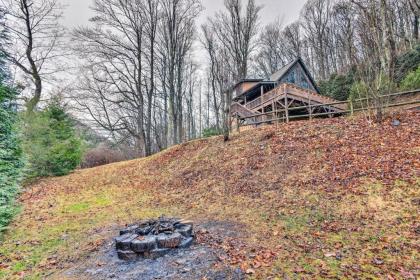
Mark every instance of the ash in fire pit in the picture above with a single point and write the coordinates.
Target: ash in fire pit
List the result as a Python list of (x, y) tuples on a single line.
[(154, 238)]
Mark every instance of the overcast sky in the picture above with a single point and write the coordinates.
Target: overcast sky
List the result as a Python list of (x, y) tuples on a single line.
[(78, 12)]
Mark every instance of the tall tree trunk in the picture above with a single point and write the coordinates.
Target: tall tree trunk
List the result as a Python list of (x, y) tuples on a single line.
[(36, 98), (33, 102), (388, 36), (227, 118)]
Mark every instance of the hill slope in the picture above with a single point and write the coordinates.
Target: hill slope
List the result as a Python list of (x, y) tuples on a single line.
[(333, 198)]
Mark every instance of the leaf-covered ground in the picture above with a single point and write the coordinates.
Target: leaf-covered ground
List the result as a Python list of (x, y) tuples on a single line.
[(326, 199)]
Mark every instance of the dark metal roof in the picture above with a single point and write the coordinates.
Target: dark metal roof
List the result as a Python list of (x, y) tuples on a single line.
[(279, 74)]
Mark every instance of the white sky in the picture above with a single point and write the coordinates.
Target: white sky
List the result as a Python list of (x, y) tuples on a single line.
[(78, 12)]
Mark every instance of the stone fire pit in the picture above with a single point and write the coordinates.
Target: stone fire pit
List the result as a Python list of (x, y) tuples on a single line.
[(154, 238)]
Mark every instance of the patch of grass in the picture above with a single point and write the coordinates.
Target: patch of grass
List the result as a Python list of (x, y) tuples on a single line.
[(294, 223), (78, 207)]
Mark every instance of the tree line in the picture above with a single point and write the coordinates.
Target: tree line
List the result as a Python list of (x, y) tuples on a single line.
[(140, 83)]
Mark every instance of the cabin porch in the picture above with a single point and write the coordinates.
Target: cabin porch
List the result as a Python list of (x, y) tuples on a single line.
[(270, 101)]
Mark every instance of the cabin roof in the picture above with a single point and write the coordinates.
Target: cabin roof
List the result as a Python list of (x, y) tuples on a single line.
[(280, 73), (247, 81), (283, 71), (254, 87)]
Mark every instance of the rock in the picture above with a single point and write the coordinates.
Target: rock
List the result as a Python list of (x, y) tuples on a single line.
[(169, 241), (396, 123), (127, 255), (144, 230), (186, 243), (130, 229), (144, 244), (123, 242), (156, 253), (185, 230)]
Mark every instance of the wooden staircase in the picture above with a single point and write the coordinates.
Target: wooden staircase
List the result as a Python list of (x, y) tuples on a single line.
[(241, 111)]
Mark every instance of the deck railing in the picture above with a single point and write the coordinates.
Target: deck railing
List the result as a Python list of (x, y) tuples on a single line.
[(291, 89), (265, 97), (353, 106)]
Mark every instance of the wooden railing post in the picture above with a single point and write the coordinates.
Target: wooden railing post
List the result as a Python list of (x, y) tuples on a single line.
[(310, 107), (351, 108), (286, 106), (238, 124)]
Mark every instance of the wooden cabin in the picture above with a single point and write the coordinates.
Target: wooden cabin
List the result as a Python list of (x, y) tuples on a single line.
[(259, 100)]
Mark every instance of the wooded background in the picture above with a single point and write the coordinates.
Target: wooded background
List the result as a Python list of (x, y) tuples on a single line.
[(132, 77)]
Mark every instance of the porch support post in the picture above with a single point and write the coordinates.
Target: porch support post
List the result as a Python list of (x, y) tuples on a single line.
[(286, 104), (238, 124), (310, 107)]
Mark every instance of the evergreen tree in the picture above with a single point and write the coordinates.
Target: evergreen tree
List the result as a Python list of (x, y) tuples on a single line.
[(52, 146), (10, 150), (10, 155)]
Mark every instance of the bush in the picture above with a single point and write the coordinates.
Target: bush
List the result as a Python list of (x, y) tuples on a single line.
[(373, 89), (10, 156), (212, 131), (406, 63), (412, 80), (101, 155), (338, 86), (51, 144)]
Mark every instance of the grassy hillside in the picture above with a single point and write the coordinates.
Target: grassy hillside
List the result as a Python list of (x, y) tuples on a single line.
[(335, 198)]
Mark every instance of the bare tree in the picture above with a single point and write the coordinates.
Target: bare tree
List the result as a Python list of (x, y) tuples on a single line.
[(415, 9), (115, 69), (315, 19), (236, 29), (138, 73), (151, 15), (270, 56), (215, 72), (35, 35), (293, 40), (176, 35)]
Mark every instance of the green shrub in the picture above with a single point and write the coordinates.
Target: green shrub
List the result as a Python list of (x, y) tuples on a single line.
[(338, 86), (211, 131), (406, 63), (51, 144), (412, 80), (373, 90), (10, 156)]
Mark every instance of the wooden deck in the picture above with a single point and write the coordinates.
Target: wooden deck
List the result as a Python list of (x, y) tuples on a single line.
[(284, 97)]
